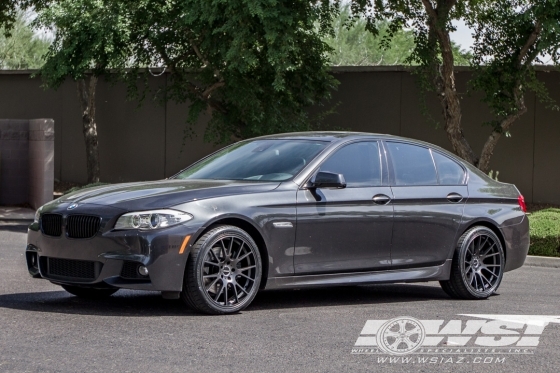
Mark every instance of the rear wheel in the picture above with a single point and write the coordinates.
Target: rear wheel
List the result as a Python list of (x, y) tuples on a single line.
[(478, 265), (91, 293), (223, 272)]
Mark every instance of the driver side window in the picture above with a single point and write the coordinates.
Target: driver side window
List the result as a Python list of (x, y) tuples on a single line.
[(359, 163)]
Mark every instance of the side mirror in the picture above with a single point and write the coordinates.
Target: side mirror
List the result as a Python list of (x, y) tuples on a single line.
[(325, 179)]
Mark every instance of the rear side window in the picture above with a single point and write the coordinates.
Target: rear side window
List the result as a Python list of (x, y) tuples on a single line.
[(358, 162), (449, 172), (412, 165)]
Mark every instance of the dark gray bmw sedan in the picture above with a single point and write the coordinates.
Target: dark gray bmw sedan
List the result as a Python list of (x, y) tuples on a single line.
[(287, 211)]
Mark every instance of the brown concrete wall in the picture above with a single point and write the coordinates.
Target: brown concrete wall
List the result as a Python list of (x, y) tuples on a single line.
[(148, 143)]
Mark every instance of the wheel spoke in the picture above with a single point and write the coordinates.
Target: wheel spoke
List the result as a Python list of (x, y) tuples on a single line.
[(488, 250), (396, 344), (230, 246), (212, 263), (243, 290), (470, 248), (481, 245), (408, 342), (390, 333), (244, 256), (416, 330), (226, 298), (212, 284), (246, 268), (240, 250), (483, 278), (219, 293), (214, 255), (471, 278), (235, 293), (492, 274), (475, 281), (211, 276), (224, 251), (247, 277), (491, 255)]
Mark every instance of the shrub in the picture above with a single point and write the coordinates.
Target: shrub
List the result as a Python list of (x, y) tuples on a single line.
[(545, 232)]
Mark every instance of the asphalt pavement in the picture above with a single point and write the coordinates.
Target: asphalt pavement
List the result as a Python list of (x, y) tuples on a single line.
[(45, 329)]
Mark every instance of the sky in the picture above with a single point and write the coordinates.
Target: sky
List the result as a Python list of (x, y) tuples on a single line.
[(462, 36)]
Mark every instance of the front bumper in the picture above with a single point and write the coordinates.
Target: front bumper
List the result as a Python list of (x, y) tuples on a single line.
[(111, 258)]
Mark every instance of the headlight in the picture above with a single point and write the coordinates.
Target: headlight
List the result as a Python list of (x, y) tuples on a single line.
[(152, 219)]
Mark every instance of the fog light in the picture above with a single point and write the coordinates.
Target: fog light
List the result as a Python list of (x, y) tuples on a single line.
[(143, 271)]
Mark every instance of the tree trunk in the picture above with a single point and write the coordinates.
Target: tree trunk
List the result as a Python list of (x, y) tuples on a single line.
[(488, 148), (445, 79), (524, 58), (86, 95)]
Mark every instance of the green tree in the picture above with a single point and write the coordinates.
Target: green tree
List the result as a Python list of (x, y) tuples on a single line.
[(255, 65), (353, 45), (510, 36), (22, 49)]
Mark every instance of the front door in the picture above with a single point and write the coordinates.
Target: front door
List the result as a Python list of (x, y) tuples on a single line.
[(346, 230)]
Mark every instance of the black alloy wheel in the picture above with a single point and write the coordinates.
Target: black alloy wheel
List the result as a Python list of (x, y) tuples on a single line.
[(223, 272)]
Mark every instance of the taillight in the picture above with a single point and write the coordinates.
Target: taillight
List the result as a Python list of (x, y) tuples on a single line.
[(521, 202)]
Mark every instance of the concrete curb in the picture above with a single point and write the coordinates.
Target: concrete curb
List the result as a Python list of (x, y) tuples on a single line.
[(14, 214), (542, 261)]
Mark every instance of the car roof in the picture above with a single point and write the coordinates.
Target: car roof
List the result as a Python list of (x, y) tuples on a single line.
[(343, 136), (326, 135), (338, 136)]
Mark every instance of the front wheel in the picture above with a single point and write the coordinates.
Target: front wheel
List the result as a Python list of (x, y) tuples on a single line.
[(90, 293), (223, 272), (478, 265)]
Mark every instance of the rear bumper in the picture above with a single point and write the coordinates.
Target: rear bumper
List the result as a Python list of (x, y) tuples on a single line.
[(111, 259), (517, 241)]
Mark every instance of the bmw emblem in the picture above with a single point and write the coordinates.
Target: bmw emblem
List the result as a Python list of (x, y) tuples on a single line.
[(72, 206)]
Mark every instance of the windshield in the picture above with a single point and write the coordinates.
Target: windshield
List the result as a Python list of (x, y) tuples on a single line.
[(264, 160)]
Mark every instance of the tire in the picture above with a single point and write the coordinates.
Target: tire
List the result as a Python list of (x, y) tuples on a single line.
[(446, 286), (477, 267), (223, 272), (90, 293)]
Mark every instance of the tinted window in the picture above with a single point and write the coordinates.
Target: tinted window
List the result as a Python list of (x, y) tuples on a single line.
[(449, 172), (358, 162), (412, 165), (264, 160)]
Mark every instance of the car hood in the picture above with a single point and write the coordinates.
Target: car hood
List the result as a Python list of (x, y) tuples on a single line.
[(162, 193)]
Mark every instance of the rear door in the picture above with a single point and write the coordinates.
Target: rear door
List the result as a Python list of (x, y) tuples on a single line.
[(428, 205), (344, 230)]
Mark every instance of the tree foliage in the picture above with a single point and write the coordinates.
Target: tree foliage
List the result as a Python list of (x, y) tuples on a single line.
[(254, 65), (510, 37), (352, 45), (22, 49)]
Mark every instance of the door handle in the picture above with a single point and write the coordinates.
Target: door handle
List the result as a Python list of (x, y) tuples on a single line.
[(381, 199), (454, 197)]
